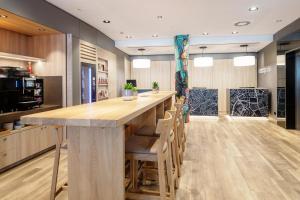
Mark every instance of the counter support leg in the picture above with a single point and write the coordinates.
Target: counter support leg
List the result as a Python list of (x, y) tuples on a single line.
[(96, 159)]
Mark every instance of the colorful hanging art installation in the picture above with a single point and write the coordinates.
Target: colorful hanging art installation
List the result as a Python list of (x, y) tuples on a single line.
[(182, 59)]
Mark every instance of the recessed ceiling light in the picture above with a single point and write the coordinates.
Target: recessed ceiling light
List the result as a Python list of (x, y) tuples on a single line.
[(159, 17), (279, 20), (3, 16), (205, 33), (253, 8), (106, 21), (203, 47), (128, 36), (155, 35), (242, 23), (235, 32), (141, 49)]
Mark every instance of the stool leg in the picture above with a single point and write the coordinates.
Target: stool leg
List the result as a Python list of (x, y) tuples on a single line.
[(59, 137), (177, 153), (170, 175), (134, 173), (161, 177)]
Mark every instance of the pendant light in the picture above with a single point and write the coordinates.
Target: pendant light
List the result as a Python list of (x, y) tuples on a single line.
[(141, 63), (244, 61), (203, 61)]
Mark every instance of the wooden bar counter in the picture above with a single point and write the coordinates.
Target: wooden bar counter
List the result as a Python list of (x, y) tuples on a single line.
[(96, 140)]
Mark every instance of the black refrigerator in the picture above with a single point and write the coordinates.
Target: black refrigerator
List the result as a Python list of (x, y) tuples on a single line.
[(88, 83)]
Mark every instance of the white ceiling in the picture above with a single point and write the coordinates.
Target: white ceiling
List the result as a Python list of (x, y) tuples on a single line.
[(138, 18)]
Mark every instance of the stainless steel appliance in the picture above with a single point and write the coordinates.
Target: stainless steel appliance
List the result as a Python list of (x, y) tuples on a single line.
[(18, 91), (88, 83)]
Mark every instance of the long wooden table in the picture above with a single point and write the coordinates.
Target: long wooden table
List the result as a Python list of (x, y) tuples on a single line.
[(96, 140)]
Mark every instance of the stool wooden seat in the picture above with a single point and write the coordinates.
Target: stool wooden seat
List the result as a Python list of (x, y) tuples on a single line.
[(137, 145), (179, 128), (155, 149)]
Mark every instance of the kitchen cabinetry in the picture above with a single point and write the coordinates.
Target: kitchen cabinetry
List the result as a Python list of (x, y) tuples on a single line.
[(21, 144)]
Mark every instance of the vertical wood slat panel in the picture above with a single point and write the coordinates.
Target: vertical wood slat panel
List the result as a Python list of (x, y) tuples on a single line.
[(12, 42), (53, 49), (221, 76)]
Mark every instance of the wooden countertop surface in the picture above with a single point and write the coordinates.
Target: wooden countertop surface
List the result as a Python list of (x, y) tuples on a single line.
[(107, 113)]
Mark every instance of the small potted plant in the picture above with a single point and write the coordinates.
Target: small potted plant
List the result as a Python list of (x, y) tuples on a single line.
[(135, 91), (128, 90), (155, 87)]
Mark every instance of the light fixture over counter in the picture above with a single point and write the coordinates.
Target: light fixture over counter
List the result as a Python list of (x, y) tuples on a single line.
[(203, 61), (244, 61), (141, 63)]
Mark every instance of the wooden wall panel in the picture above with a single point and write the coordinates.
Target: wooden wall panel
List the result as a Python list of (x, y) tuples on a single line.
[(12, 42), (173, 72), (221, 76), (53, 49), (127, 69), (142, 76), (161, 72)]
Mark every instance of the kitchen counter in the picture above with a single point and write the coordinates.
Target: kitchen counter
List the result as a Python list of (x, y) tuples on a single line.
[(96, 140), (107, 113), (248, 102), (203, 102), (12, 116)]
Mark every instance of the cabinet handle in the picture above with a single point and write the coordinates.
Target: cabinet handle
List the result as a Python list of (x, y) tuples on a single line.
[(5, 154), (4, 139)]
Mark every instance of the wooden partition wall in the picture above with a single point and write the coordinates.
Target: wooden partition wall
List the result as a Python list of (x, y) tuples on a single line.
[(221, 76), (51, 47)]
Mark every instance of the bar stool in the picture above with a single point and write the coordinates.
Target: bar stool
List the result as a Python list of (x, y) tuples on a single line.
[(148, 131), (181, 100), (179, 128), (59, 141), (174, 149), (153, 149)]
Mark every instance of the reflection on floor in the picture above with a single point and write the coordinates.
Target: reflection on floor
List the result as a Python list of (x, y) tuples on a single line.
[(225, 159), (239, 160), (32, 180)]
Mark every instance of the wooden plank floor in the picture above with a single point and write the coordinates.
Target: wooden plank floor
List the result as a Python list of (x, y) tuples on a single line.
[(224, 160), (240, 160), (32, 180)]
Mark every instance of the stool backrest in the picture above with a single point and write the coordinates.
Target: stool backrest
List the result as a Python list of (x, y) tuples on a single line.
[(179, 116), (163, 128), (173, 126)]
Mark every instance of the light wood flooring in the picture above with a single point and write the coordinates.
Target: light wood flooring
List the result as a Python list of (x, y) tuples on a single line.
[(224, 160)]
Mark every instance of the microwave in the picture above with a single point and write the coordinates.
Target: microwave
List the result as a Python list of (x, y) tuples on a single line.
[(29, 83)]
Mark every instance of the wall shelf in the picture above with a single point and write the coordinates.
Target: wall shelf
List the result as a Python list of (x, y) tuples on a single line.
[(11, 56), (105, 72)]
